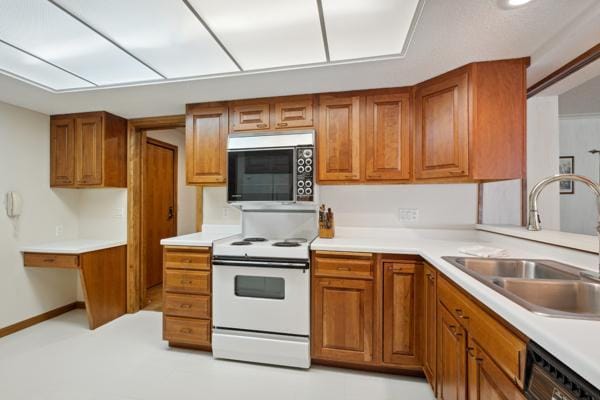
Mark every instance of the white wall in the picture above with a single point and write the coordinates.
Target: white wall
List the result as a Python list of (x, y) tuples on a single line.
[(215, 207), (502, 203), (24, 166), (102, 214), (377, 205), (186, 195), (578, 212)]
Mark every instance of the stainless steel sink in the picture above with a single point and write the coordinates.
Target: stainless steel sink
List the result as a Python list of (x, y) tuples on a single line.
[(514, 268), (542, 286)]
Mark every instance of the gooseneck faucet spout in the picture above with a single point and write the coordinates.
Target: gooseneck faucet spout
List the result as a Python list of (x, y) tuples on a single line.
[(534, 222)]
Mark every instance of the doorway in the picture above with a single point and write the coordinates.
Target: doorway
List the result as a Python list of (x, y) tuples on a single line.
[(159, 214)]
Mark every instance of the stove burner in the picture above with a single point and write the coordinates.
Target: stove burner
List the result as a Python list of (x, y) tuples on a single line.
[(241, 243), (296, 240), (286, 244), (254, 239)]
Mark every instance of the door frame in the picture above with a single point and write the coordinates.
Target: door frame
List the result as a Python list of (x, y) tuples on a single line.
[(144, 246)]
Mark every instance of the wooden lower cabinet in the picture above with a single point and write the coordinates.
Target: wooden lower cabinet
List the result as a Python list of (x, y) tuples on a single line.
[(451, 357), (187, 314), (430, 325)]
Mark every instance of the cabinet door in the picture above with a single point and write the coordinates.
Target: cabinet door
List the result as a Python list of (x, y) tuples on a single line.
[(401, 328), (206, 145), (249, 117), (88, 151), (339, 138), (486, 380), (62, 152), (342, 327), (452, 363), (294, 114), (387, 137), (429, 325), (442, 128)]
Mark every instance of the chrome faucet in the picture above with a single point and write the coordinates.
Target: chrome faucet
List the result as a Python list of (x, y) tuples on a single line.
[(534, 223)]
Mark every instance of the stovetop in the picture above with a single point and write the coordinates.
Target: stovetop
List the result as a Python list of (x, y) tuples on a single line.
[(263, 247)]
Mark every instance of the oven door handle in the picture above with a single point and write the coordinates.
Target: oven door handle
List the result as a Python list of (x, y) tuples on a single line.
[(261, 264)]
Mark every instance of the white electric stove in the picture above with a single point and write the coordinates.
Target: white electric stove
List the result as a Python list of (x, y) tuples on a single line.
[(261, 290)]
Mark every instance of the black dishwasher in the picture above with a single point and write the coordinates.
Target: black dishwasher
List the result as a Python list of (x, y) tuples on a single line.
[(549, 379)]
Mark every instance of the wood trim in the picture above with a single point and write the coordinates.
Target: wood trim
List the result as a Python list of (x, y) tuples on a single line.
[(80, 305), (199, 208), (567, 69), (26, 323), (135, 143)]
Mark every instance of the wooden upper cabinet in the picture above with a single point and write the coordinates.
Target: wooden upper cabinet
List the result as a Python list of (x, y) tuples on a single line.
[(402, 336), (249, 117), (451, 357), (429, 325), (294, 113), (338, 138), (442, 127), (62, 152), (387, 134), (342, 320), (206, 144), (88, 150)]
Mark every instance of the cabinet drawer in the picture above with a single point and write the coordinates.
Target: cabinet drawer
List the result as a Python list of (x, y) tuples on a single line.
[(187, 330), (195, 282), (506, 348), (344, 264), (187, 259), (50, 260), (187, 305)]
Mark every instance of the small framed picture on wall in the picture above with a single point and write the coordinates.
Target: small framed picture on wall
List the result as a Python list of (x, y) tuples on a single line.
[(566, 165)]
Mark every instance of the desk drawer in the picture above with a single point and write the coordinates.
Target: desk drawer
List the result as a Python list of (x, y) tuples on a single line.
[(187, 305), (51, 260), (187, 330), (195, 282)]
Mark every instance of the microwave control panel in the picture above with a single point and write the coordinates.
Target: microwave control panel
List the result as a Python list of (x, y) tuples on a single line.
[(305, 168)]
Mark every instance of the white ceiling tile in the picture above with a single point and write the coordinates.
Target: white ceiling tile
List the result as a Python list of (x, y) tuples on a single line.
[(46, 31), (22, 65), (163, 33), (266, 33), (367, 28)]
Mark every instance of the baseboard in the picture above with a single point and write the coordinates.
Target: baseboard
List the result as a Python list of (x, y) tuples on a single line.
[(80, 304), (37, 319)]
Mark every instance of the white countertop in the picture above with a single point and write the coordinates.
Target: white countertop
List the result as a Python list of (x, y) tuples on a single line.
[(209, 234), (574, 342), (76, 246)]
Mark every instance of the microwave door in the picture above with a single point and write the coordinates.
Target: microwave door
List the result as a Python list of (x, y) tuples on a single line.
[(261, 175)]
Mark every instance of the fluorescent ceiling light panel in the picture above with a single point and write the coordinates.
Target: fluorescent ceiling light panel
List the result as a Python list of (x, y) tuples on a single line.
[(162, 33), (29, 68), (46, 31), (359, 28), (266, 33)]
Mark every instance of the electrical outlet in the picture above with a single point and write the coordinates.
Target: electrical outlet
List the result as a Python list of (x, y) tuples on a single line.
[(408, 214), (118, 212), (59, 230), (225, 211)]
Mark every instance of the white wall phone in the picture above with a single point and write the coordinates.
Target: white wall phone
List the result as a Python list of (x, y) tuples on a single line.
[(14, 204)]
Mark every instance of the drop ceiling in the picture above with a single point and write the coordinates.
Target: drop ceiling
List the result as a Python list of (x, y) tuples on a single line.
[(67, 45)]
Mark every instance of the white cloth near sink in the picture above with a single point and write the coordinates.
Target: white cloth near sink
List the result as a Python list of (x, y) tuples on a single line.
[(484, 251)]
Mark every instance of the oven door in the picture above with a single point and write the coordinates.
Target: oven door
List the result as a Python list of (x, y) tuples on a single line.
[(261, 299), (261, 175)]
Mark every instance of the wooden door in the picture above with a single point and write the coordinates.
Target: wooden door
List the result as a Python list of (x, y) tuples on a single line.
[(442, 127), (451, 353), (387, 137), (88, 150), (429, 325), (249, 117), (342, 327), (486, 380), (206, 144), (294, 113), (62, 152), (401, 329), (159, 205), (339, 138)]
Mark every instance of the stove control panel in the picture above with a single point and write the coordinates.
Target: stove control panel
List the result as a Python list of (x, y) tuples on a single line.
[(305, 168)]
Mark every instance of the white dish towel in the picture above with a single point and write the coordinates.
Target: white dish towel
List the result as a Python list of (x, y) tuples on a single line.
[(483, 251)]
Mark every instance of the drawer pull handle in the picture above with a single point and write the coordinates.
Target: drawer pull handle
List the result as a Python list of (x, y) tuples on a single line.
[(282, 124), (261, 125), (460, 314), (343, 268), (452, 328), (185, 306), (49, 260), (186, 281), (470, 351), (185, 330), (187, 260)]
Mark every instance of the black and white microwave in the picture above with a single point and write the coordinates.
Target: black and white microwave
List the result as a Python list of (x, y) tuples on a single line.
[(271, 167)]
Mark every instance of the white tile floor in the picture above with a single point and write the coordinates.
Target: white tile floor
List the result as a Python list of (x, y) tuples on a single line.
[(62, 360)]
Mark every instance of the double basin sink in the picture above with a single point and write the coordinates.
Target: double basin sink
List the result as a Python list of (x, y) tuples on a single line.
[(544, 287)]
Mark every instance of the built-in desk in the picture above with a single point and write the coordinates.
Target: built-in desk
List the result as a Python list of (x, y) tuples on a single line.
[(102, 267)]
